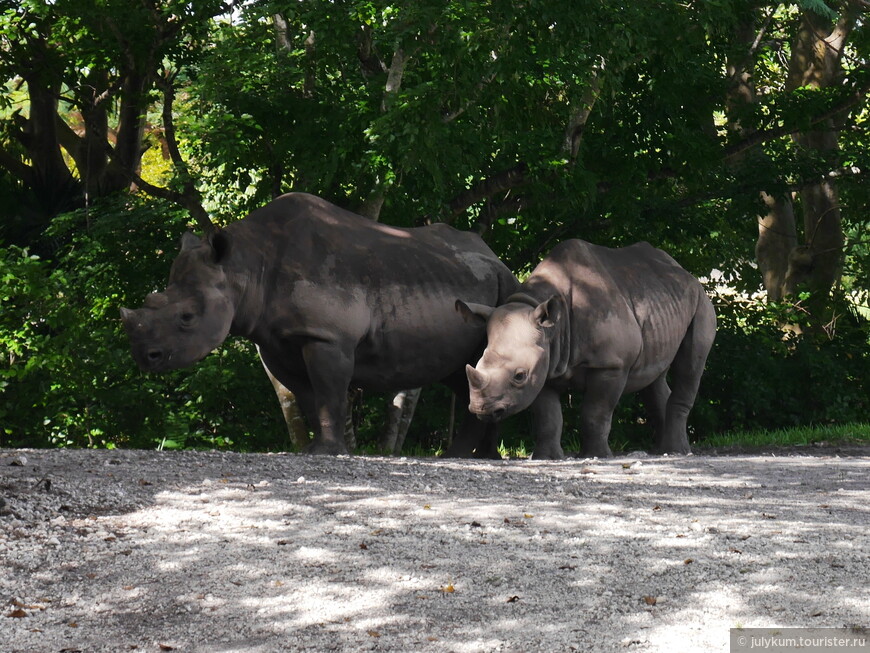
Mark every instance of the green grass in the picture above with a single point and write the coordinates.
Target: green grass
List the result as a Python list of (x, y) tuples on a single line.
[(858, 433), (801, 435)]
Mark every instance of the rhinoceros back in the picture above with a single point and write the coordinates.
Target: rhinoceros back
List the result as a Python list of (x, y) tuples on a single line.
[(387, 293)]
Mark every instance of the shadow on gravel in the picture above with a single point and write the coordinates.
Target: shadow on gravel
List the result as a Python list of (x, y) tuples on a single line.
[(227, 552)]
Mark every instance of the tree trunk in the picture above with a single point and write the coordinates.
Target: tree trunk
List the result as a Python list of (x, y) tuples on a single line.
[(816, 62), (777, 240), (352, 417), (49, 177), (400, 412), (296, 428), (777, 235), (127, 154)]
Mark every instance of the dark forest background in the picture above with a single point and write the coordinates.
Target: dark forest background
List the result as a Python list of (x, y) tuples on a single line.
[(732, 133)]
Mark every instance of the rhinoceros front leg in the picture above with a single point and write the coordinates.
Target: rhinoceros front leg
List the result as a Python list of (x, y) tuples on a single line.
[(474, 438), (329, 372), (603, 390), (547, 422)]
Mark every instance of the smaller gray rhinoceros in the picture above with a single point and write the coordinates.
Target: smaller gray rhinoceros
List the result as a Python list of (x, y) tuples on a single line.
[(332, 300), (603, 322)]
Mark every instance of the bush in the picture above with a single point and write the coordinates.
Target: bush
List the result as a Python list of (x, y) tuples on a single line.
[(760, 376)]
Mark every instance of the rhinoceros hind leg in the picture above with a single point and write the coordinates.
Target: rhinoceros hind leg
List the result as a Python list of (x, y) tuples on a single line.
[(655, 400), (686, 371)]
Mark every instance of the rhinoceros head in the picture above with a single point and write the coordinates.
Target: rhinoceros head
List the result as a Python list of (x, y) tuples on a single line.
[(516, 362), (181, 325)]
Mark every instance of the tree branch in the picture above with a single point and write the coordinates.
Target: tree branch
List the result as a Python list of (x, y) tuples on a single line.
[(492, 210), (370, 63), (394, 77), (744, 189), (16, 166), (192, 204), (167, 86), (759, 137), (453, 115), (282, 40), (68, 139), (580, 116), (750, 53), (497, 183), (190, 197)]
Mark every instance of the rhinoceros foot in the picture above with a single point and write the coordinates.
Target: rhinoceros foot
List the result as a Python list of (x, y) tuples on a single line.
[(489, 452), (672, 449), (462, 449), (548, 452), (321, 448), (596, 451)]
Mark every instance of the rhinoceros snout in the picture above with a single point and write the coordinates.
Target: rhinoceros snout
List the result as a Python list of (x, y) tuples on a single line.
[(150, 360), (489, 416)]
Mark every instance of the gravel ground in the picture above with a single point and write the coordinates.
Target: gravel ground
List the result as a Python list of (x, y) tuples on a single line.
[(222, 552)]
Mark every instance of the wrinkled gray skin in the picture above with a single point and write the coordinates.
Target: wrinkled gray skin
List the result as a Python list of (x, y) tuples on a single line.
[(603, 322), (332, 300)]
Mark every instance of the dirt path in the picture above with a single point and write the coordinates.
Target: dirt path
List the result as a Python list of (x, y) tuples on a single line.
[(218, 552)]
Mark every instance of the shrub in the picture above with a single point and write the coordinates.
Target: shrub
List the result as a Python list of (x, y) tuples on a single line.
[(760, 376)]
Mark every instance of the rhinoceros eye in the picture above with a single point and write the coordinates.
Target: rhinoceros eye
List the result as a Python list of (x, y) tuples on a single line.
[(187, 318), (520, 377)]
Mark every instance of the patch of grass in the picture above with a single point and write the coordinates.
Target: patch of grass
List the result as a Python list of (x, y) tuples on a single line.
[(858, 433), (519, 450)]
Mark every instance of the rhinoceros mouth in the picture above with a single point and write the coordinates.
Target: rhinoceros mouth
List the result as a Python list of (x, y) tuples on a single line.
[(493, 413), (492, 418), (158, 360)]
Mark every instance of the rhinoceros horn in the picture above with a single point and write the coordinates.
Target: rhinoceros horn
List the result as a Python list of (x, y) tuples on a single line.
[(477, 380)]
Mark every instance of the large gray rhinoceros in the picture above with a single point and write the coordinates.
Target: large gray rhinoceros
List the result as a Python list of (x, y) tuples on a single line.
[(604, 322), (332, 300)]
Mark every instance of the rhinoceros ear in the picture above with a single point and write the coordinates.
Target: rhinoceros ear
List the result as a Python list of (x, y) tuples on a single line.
[(220, 244), (473, 312), (128, 319), (548, 313), (189, 241)]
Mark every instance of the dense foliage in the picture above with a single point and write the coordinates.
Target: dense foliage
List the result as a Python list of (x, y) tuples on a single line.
[(705, 128)]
